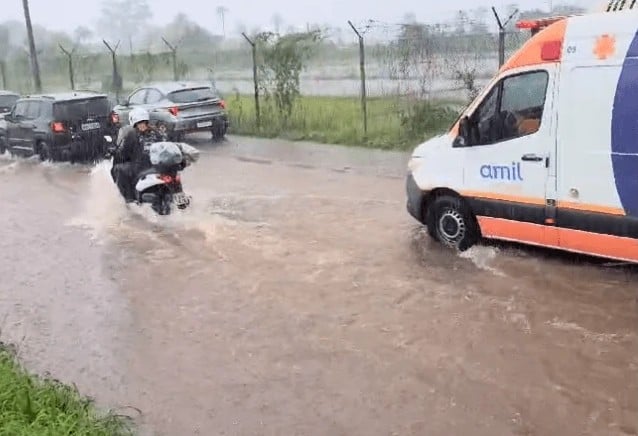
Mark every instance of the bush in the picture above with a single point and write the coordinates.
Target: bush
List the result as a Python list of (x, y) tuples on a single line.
[(423, 118), (31, 405)]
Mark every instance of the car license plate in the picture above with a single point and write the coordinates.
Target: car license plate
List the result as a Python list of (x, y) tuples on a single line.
[(204, 124), (180, 198), (90, 126)]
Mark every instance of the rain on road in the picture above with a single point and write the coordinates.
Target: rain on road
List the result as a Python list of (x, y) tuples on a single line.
[(297, 297)]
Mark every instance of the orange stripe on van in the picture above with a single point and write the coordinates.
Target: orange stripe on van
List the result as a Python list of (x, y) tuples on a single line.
[(518, 231), (503, 197), (591, 208), (541, 202), (531, 53), (595, 244), (615, 247)]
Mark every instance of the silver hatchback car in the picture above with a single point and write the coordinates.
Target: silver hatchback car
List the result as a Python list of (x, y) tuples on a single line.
[(179, 108)]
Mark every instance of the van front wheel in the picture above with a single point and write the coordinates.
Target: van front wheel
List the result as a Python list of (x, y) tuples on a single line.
[(451, 223)]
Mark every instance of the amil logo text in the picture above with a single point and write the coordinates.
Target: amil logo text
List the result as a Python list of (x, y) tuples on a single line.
[(502, 172)]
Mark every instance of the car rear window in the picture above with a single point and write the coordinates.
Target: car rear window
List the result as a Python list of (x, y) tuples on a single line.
[(8, 100), (192, 95), (80, 109)]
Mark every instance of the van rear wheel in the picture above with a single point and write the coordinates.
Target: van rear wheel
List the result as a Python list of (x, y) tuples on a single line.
[(451, 223)]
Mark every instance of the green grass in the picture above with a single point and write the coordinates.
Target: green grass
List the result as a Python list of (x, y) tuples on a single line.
[(392, 123), (31, 405)]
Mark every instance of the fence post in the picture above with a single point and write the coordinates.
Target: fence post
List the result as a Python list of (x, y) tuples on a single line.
[(255, 81), (69, 55), (117, 79), (501, 35), (362, 67), (173, 50)]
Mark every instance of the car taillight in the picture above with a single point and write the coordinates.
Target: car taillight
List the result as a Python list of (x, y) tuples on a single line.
[(222, 104), (173, 110), (115, 118), (57, 127)]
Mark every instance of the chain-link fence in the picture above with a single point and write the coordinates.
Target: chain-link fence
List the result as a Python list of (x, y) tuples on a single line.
[(416, 78)]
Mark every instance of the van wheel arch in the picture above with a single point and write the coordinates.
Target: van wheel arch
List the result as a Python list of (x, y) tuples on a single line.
[(451, 201)]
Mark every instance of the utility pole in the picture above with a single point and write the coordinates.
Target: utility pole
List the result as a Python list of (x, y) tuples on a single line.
[(362, 68), (35, 68), (501, 35), (255, 81)]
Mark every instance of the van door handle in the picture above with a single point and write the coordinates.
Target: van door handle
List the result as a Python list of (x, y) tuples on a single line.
[(532, 158)]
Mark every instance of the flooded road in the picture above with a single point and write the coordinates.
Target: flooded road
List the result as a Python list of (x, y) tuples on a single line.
[(297, 297)]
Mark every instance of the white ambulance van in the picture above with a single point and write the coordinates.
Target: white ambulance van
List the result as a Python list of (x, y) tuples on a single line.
[(548, 153)]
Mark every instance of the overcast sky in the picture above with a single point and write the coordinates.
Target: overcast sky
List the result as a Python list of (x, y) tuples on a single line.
[(68, 14)]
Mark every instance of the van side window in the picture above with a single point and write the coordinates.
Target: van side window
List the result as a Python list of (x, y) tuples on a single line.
[(516, 111), (482, 119)]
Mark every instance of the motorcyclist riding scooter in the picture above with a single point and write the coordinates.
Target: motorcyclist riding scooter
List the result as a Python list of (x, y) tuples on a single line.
[(132, 153)]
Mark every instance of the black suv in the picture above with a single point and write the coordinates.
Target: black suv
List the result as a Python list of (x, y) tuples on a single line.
[(71, 126)]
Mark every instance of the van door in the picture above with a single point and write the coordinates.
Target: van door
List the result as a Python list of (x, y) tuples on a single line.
[(508, 162)]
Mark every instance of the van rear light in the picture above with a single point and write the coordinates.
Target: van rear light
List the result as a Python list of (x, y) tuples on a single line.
[(57, 127), (115, 118), (173, 110), (551, 50), (222, 104)]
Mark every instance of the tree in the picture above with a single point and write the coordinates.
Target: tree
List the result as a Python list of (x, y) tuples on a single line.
[(409, 18), (186, 33), (478, 24), (82, 34), (124, 19), (284, 58), (461, 22), (221, 11)]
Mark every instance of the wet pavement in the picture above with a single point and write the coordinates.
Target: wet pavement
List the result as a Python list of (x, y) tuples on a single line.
[(297, 297)]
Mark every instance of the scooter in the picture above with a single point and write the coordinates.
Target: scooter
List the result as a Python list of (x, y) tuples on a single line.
[(161, 185)]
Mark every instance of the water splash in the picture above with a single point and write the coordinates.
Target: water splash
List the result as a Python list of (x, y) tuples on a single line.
[(104, 214), (103, 207), (482, 257)]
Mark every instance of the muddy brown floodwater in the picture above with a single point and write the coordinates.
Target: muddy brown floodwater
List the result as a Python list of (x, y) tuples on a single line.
[(297, 297)]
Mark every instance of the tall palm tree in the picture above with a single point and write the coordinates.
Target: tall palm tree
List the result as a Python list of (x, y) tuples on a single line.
[(221, 11)]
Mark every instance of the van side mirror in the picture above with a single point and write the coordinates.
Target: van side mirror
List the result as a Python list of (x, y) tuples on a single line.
[(463, 138)]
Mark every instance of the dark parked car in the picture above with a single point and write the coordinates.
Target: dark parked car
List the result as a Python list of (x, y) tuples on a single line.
[(70, 126), (7, 100), (179, 108)]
